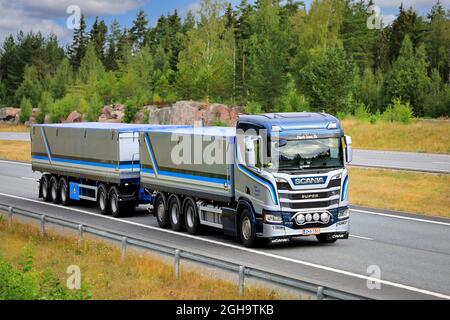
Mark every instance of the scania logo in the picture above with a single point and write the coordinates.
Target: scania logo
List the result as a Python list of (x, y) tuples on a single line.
[(309, 180)]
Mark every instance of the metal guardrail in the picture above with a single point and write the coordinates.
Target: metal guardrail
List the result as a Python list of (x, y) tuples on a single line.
[(319, 291)]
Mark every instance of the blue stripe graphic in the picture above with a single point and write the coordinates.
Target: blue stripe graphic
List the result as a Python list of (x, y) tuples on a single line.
[(89, 163), (266, 183), (344, 189)]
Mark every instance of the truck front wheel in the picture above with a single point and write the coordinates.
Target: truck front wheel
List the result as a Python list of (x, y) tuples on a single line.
[(247, 229), (160, 210)]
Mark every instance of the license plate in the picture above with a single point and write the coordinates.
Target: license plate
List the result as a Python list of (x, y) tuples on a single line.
[(310, 232)]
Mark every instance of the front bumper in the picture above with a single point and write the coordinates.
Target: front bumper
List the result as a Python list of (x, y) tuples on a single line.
[(339, 227)]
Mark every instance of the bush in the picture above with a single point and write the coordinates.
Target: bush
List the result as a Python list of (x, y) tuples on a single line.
[(362, 112), (26, 109), (25, 283), (44, 106), (94, 108), (130, 110), (253, 108), (63, 107), (398, 111)]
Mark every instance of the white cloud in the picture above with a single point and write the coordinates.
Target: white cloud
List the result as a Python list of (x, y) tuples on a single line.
[(193, 7), (388, 19), (41, 15), (390, 4)]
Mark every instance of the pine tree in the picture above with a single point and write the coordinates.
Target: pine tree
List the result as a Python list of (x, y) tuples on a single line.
[(62, 79), (97, 36), (26, 110), (78, 48), (31, 87), (268, 55), (138, 30), (408, 79), (113, 38)]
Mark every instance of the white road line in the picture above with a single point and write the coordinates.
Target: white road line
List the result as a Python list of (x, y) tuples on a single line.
[(31, 179), (266, 254), (402, 217), (15, 162), (360, 237)]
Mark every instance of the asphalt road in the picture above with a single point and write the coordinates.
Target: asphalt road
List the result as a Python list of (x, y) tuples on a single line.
[(361, 158), (412, 252), (437, 163)]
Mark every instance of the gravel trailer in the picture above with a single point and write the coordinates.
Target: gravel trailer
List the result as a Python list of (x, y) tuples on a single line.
[(89, 161)]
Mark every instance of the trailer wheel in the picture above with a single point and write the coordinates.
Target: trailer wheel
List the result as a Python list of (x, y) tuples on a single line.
[(176, 213), (64, 192), (45, 188), (54, 190), (102, 200), (247, 229), (160, 210), (191, 218), (117, 209)]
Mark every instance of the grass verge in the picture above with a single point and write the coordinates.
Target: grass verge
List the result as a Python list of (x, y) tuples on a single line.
[(419, 136), (6, 127), (15, 150), (105, 275), (422, 193)]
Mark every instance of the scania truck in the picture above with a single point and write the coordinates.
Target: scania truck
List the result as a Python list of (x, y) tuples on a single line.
[(272, 178)]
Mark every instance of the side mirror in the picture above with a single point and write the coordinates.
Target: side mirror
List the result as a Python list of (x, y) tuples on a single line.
[(250, 154), (348, 149)]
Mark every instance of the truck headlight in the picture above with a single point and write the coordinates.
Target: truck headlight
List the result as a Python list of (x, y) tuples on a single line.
[(309, 217), (273, 218), (300, 219), (316, 217), (325, 217), (344, 214)]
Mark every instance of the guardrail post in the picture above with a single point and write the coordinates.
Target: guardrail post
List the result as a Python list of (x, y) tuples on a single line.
[(42, 226), (241, 280), (177, 264), (80, 236), (10, 216), (320, 295), (124, 247)]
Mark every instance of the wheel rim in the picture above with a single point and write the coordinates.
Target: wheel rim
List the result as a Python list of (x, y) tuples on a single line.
[(63, 193), (175, 213), (45, 190), (102, 200), (160, 211), (114, 203), (54, 193), (246, 228), (190, 217)]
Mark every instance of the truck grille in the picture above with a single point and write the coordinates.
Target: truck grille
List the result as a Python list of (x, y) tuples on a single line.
[(309, 205)]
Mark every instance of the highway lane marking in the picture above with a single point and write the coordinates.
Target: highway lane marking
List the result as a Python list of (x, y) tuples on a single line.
[(14, 162), (31, 179), (401, 217), (360, 237), (266, 254)]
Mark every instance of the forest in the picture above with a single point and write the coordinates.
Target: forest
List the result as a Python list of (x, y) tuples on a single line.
[(270, 56)]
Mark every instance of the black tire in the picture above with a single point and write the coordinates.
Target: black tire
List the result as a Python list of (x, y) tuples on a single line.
[(247, 229), (160, 209), (117, 208), (64, 192), (45, 188), (54, 190), (102, 200), (175, 213), (191, 219), (322, 238)]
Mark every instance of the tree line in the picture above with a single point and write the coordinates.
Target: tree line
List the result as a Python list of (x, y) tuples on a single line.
[(271, 56)]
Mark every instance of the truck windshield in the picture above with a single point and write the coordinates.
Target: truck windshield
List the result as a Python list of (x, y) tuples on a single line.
[(290, 155)]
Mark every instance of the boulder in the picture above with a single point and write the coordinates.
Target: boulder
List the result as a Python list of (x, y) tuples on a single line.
[(9, 114), (74, 116)]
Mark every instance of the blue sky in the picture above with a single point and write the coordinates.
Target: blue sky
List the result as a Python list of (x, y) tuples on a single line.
[(50, 16)]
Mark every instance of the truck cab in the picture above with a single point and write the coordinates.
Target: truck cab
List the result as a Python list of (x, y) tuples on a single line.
[(290, 177)]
